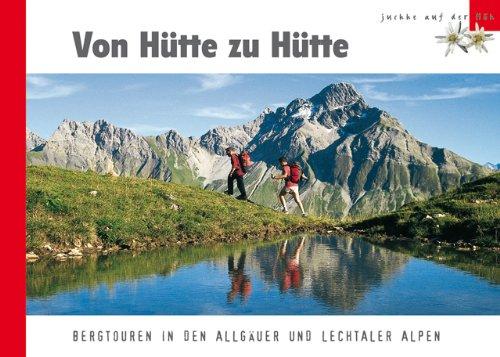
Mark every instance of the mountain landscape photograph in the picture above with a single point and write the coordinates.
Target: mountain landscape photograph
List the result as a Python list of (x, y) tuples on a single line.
[(401, 176)]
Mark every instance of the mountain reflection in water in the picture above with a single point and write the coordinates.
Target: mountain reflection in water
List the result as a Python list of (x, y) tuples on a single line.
[(338, 272), (313, 275)]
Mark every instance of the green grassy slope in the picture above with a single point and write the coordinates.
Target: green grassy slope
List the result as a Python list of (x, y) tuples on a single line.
[(67, 209), (470, 214)]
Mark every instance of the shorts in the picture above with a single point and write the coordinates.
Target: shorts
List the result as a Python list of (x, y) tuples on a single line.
[(290, 190)]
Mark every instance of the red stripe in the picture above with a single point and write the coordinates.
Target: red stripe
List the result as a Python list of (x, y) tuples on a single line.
[(13, 178)]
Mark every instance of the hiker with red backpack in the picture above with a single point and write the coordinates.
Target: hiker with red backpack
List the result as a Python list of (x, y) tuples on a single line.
[(292, 174), (239, 165)]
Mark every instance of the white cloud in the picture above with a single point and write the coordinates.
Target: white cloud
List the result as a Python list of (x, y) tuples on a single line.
[(232, 112), (209, 82), (439, 94), (380, 79), (40, 87), (132, 87), (147, 129), (277, 105)]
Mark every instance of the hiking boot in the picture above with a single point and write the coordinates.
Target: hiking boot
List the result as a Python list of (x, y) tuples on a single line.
[(285, 211), (304, 214), (241, 197), (227, 193)]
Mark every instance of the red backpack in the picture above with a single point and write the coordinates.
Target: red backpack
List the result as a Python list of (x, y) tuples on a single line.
[(245, 160), (295, 173)]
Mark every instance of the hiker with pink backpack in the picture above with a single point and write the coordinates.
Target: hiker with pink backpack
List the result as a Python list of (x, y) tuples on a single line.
[(292, 174)]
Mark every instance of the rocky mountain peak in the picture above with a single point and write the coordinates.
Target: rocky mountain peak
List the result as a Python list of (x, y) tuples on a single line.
[(216, 140), (101, 131), (69, 125), (336, 95), (359, 158), (252, 127), (173, 140), (492, 166), (34, 141), (266, 111), (297, 104), (103, 123)]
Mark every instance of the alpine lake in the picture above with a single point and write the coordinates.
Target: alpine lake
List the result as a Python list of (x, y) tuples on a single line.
[(311, 275)]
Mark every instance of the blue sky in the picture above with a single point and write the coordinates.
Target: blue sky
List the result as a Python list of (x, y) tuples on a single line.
[(459, 112)]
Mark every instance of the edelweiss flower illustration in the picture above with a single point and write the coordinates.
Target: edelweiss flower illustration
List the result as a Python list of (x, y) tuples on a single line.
[(454, 37), (478, 38)]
